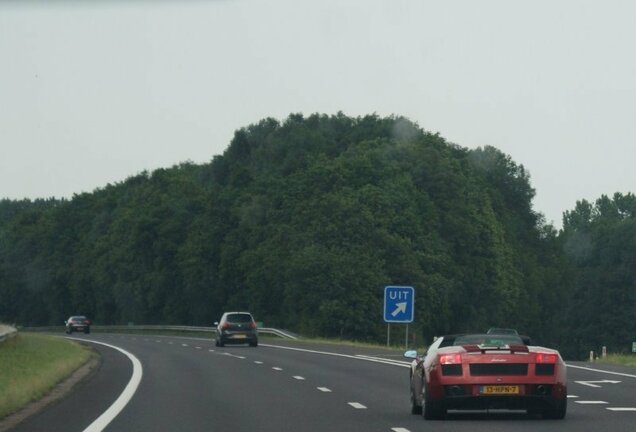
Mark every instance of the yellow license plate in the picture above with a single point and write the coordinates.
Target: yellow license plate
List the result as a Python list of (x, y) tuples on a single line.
[(499, 389)]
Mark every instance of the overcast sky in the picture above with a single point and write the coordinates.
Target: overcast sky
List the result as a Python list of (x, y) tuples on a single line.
[(92, 92)]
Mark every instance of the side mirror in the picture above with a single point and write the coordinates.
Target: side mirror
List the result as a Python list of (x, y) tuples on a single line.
[(65, 322), (411, 354), (216, 323)]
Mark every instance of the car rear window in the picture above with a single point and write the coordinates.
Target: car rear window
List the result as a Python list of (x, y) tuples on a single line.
[(239, 318)]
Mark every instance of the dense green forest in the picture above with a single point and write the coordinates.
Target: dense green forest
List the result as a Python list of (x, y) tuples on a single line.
[(304, 222)]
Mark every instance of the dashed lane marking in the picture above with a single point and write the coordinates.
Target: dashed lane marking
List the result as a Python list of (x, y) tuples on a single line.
[(197, 347), (591, 402), (572, 396), (277, 369), (621, 409), (357, 405), (299, 378), (398, 429), (324, 389), (258, 362)]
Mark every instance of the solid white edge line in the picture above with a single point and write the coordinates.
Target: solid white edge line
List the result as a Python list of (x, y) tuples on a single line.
[(389, 362), (109, 415), (600, 370)]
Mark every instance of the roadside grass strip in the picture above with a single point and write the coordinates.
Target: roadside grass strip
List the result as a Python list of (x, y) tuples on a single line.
[(32, 364), (619, 359)]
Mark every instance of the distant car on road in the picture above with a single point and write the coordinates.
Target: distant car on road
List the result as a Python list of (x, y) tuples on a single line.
[(487, 371), (78, 323), (236, 328)]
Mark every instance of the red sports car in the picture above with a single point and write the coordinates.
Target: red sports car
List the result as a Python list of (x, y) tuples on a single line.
[(487, 371)]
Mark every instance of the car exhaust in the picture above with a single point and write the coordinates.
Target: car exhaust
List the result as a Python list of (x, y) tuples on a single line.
[(455, 390)]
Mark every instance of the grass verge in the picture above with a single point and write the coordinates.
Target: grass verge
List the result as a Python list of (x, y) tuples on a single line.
[(619, 359), (32, 364)]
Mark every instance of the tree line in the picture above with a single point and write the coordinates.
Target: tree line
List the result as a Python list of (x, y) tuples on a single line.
[(304, 221)]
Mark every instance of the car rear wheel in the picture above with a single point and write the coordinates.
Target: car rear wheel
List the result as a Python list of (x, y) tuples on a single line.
[(557, 412), (433, 410), (415, 408), (254, 344)]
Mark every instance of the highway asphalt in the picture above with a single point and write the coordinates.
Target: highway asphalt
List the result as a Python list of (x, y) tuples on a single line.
[(188, 384)]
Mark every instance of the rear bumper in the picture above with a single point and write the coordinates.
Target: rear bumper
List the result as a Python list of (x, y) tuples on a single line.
[(500, 402), (531, 396), (239, 337)]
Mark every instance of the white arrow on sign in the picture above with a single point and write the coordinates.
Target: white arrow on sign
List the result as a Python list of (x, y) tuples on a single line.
[(401, 308), (595, 383)]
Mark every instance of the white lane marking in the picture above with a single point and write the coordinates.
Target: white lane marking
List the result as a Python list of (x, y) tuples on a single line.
[(158, 341), (572, 396), (383, 360), (357, 405), (232, 355), (596, 383), (324, 389), (211, 350), (591, 402), (198, 347), (170, 343), (277, 368), (602, 371), (109, 415), (389, 362), (299, 378), (184, 345), (258, 362), (621, 409), (398, 429)]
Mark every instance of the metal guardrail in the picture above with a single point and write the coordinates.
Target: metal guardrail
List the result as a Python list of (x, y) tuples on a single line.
[(7, 332), (267, 330)]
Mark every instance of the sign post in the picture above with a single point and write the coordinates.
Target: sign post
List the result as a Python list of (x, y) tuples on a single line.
[(399, 304)]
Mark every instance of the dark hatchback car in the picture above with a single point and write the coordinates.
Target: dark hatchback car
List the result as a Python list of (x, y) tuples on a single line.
[(78, 323), (236, 328)]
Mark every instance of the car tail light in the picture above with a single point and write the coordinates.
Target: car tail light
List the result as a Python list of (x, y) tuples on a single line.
[(88, 322), (253, 325), (225, 326), (546, 358), (450, 359)]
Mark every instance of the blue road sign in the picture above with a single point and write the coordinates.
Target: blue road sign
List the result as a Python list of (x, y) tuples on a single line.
[(398, 304)]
